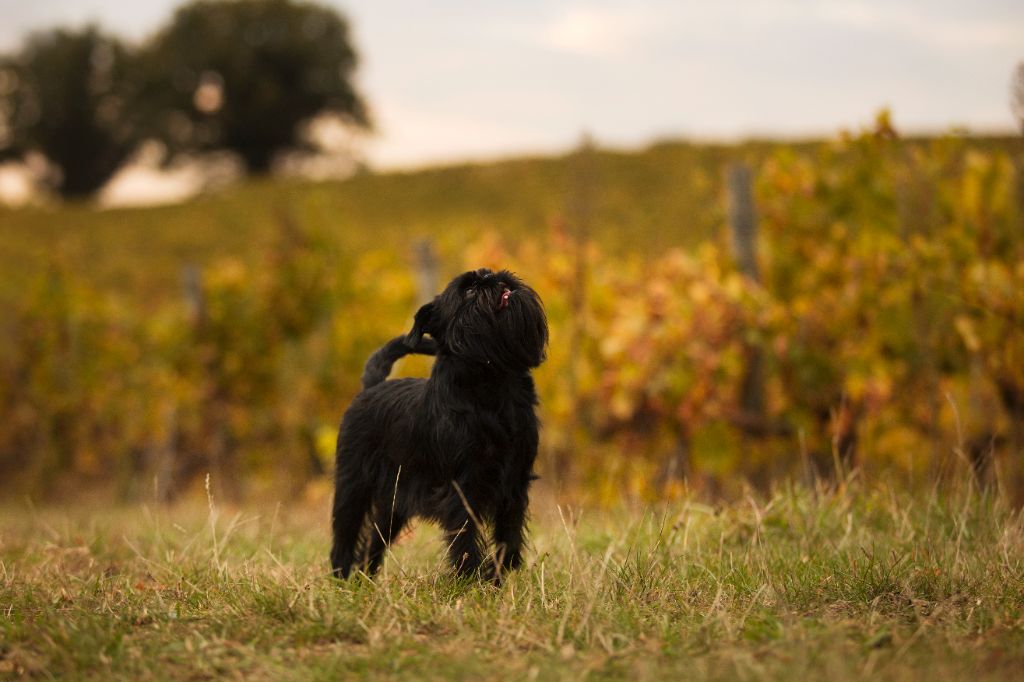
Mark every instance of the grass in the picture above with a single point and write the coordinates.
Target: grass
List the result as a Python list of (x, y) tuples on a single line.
[(840, 585)]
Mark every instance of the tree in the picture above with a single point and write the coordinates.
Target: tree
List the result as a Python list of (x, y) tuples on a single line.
[(65, 94), (243, 75), (1017, 95)]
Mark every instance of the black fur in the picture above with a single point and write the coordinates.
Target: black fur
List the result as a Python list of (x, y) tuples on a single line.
[(379, 365), (458, 447)]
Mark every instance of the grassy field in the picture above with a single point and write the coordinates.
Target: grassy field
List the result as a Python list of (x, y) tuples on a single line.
[(803, 585)]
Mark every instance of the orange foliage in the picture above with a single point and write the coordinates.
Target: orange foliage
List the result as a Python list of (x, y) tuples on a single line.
[(889, 325)]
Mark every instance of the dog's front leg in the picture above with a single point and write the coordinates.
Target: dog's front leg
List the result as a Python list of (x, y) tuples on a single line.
[(509, 528), (510, 510)]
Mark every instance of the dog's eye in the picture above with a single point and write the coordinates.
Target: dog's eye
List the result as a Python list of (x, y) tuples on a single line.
[(470, 292)]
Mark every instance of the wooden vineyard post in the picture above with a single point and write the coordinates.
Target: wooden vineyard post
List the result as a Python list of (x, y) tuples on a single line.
[(743, 229)]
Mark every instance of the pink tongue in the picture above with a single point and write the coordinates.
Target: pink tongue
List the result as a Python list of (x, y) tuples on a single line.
[(504, 299)]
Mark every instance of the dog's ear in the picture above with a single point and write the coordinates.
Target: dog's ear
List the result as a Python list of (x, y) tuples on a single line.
[(420, 325)]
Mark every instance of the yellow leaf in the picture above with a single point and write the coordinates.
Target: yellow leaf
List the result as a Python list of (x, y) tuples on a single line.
[(965, 328)]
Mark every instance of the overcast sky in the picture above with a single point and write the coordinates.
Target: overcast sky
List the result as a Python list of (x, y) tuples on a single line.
[(463, 79)]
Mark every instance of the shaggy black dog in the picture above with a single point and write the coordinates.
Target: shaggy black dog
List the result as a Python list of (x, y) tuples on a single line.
[(458, 447)]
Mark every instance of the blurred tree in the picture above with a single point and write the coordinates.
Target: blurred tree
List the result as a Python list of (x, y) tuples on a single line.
[(243, 75), (1017, 95), (64, 94)]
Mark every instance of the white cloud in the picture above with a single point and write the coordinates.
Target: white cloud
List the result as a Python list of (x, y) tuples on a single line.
[(595, 32), (409, 134), (922, 24)]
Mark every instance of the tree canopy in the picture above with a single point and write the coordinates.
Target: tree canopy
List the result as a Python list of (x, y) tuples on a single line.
[(238, 75), (66, 95), (244, 75)]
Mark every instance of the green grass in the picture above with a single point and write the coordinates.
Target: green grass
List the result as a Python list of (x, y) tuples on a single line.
[(841, 586)]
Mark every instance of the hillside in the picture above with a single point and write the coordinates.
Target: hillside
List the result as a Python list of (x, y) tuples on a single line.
[(883, 336), (662, 195), (642, 201)]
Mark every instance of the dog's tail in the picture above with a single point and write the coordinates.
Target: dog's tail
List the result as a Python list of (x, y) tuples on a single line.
[(379, 365)]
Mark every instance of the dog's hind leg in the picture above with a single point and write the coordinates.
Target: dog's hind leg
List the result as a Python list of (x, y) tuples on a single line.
[(387, 526), (463, 546), (348, 518), (462, 532)]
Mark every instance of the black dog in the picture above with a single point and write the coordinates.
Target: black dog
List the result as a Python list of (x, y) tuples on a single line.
[(458, 447)]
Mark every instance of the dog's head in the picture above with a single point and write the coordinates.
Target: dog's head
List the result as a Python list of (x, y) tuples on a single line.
[(487, 318)]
